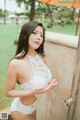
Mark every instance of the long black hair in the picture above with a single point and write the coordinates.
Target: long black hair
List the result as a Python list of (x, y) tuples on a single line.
[(22, 45)]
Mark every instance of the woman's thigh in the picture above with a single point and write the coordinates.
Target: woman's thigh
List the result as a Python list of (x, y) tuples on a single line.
[(20, 116)]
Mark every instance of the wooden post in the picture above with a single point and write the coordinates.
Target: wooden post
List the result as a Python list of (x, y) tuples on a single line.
[(75, 84), (77, 23)]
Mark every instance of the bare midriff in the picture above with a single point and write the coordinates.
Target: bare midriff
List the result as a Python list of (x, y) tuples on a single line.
[(28, 100)]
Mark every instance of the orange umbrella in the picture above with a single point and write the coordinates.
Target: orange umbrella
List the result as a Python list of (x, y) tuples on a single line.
[(64, 3)]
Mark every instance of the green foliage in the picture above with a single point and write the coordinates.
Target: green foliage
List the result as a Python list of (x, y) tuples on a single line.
[(3, 13), (58, 14), (67, 12), (40, 8), (26, 2)]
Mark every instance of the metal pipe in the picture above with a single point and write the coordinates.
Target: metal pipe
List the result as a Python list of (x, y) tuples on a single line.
[(69, 102)]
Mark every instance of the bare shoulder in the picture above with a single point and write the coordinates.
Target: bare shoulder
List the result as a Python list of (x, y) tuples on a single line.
[(13, 62), (12, 67), (17, 63)]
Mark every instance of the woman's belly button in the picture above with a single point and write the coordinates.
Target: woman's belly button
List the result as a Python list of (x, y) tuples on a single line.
[(28, 100)]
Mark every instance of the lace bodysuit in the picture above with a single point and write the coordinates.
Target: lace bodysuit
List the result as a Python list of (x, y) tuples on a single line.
[(41, 74), (40, 78)]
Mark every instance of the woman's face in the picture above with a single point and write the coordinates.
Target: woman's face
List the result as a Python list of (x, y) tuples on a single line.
[(36, 38)]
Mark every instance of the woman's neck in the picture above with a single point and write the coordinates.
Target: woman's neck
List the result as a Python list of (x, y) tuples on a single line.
[(31, 53)]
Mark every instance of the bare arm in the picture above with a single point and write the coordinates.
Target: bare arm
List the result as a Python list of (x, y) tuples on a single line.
[(11, 82)]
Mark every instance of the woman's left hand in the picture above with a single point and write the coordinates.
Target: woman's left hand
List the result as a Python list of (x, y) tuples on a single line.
[(52, 84)]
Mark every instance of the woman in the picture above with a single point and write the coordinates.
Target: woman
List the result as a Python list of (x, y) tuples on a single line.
[(29, 70)]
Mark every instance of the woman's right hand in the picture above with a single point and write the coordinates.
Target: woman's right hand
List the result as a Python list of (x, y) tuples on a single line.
[(52, 84)]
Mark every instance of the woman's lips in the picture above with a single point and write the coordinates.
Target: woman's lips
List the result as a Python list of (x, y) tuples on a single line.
[(37, 42)]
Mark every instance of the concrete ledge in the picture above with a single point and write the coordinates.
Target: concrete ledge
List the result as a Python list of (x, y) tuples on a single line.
[(63, 39)]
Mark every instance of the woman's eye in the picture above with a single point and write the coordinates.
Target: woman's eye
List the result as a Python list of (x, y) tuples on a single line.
[(41, 35), (34, 32)]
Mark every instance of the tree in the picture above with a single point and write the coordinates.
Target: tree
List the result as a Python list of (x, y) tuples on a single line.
[(3, 14), (27, 3), (4, 11), (73, 14)]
